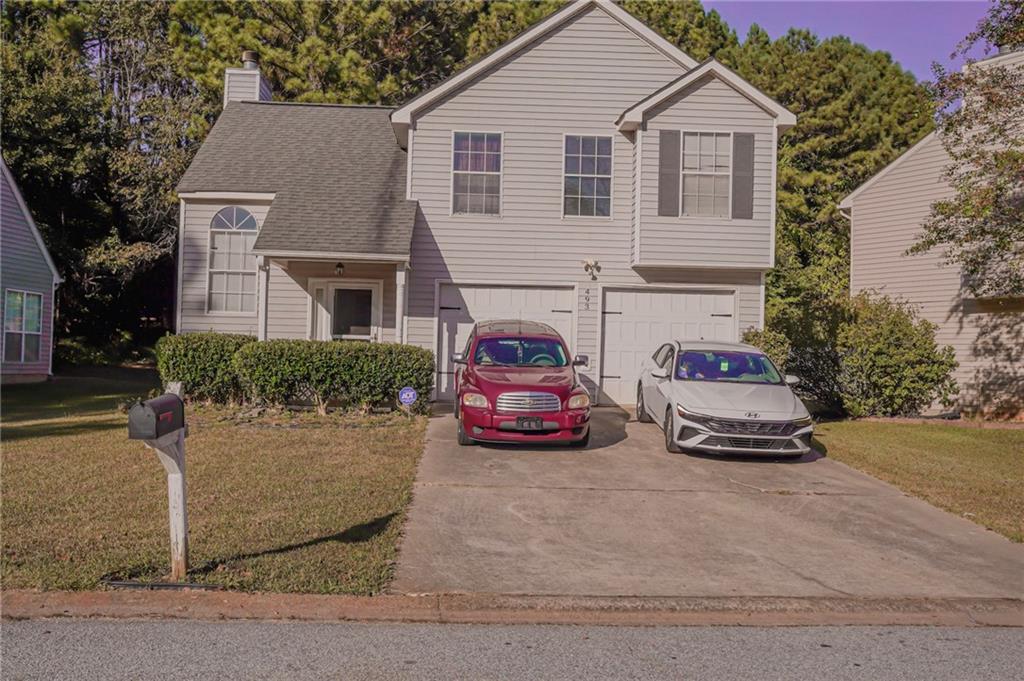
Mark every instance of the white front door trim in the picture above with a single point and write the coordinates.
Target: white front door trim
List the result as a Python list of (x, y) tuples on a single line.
[(321, 328)]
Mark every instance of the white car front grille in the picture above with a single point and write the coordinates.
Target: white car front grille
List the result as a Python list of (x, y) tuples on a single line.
[(510, 403)]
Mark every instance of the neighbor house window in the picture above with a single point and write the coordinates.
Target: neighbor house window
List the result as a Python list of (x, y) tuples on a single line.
[(706, 174), (588, 176), (476, 173), (232, 264), (23, 326)]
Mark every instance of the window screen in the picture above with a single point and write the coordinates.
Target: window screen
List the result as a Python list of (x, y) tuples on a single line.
[(232, 264), (476, 173), (706, 174), (588, 176)]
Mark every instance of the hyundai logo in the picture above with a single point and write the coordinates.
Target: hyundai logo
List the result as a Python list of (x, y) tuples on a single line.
[(752, 415)]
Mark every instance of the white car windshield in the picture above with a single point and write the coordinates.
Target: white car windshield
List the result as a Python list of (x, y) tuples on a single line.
[(726, 367)]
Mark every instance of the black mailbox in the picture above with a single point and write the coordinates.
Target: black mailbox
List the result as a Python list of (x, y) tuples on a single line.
[(155, 418)]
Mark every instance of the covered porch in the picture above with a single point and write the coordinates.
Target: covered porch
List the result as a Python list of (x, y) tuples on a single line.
[(337, 297)]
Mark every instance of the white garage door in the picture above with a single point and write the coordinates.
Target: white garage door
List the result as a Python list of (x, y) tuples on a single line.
[(461, 306), (636, 323)]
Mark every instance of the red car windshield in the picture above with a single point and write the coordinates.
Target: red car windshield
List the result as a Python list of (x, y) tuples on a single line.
[(728, 367), (520, 352)]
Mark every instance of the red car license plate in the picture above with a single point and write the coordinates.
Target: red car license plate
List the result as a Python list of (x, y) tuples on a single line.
[(529, 423)]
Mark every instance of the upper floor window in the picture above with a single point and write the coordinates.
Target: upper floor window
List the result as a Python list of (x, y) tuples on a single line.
[(588, 176), (23, 326), (232, 283), (476, 173), (706, 173)]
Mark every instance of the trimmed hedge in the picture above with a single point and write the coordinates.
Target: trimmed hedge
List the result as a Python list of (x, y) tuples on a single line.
[(203, 363), (350, 373)]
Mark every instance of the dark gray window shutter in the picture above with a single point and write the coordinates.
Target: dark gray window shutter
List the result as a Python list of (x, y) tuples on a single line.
[(742, 175), (668, 173)]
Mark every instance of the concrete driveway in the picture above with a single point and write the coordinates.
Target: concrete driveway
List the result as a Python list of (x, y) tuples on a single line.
[(625, 518)]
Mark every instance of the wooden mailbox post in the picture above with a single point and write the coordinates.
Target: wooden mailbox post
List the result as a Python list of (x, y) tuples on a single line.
[(160, 424)]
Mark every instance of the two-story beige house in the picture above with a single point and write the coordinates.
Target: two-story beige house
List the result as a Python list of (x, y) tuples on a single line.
[(887, 215), (587, 174)]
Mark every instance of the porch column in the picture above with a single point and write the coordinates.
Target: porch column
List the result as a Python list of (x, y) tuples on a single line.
[(262, 296), (401, 274)]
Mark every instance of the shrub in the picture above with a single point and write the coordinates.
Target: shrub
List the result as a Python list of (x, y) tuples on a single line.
[(203, 363), (79, 351), (351, 373), (772, 343), (890, 364)]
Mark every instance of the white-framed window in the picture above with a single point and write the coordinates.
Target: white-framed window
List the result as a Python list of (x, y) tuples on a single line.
[(707, 174), (476, 173), (587, 185), (232, 284), (23, 326)]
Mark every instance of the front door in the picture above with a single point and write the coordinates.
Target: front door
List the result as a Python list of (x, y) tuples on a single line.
[(348, 311)]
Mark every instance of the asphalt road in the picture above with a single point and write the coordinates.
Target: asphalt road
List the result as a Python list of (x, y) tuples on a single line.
[(126, 649)]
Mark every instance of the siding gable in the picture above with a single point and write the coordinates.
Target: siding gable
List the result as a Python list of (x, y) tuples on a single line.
[(708, 105)]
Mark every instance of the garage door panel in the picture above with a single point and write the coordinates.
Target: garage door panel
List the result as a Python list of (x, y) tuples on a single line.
[(462, 306), (636, 322)]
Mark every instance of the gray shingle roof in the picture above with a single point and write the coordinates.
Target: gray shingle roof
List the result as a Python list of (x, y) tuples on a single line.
[(337, 173)]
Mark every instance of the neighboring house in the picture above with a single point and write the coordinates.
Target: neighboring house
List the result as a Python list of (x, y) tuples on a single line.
[(586, 174), (29, 279), (887, 214)]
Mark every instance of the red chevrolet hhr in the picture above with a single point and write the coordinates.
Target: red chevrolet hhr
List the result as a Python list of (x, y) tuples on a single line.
[(516, 382)]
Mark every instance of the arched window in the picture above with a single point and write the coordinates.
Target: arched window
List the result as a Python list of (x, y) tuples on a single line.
[(232, 264)]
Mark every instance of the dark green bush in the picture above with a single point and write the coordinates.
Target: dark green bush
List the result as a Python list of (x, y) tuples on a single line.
[(203, 363), (772, 343), (865, 356), (890, 364), (79, 351), (349, 373)]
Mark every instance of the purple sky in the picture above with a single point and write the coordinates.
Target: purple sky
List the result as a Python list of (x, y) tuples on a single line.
[(914, 33)]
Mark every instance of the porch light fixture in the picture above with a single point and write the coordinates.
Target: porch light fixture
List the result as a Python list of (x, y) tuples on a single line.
[(339, 269)]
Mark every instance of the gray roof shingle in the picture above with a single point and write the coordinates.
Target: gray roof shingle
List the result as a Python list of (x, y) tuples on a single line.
[(337, 173)]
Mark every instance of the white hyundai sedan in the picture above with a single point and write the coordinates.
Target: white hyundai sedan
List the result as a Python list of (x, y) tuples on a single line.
[(722, 398)]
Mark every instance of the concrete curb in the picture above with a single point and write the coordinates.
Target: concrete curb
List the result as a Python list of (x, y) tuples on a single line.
[(512, 609)]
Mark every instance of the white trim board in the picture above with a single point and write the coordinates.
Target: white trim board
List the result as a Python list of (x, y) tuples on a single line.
[(402, 118), (228, 196), (633, 118)]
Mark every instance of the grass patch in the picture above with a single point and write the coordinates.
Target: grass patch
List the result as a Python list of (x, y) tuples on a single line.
[(972, 472), (284, 502)]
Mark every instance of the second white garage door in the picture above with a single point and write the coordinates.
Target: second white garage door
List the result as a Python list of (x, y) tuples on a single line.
[(636, 322), (461, 306)]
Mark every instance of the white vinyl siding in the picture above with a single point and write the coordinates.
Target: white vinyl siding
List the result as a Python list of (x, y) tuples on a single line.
[(707, 174), (708, 106), (577, 80)]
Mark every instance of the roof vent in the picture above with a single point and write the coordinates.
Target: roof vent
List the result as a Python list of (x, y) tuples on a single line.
[(251, 60)]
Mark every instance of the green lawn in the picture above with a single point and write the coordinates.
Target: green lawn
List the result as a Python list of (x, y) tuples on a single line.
[(972, 472), (285, 502)]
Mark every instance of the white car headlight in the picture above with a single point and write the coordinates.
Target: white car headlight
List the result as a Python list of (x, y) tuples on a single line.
[(578, 401), (690, 415), (802, 422), (474, 400)]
